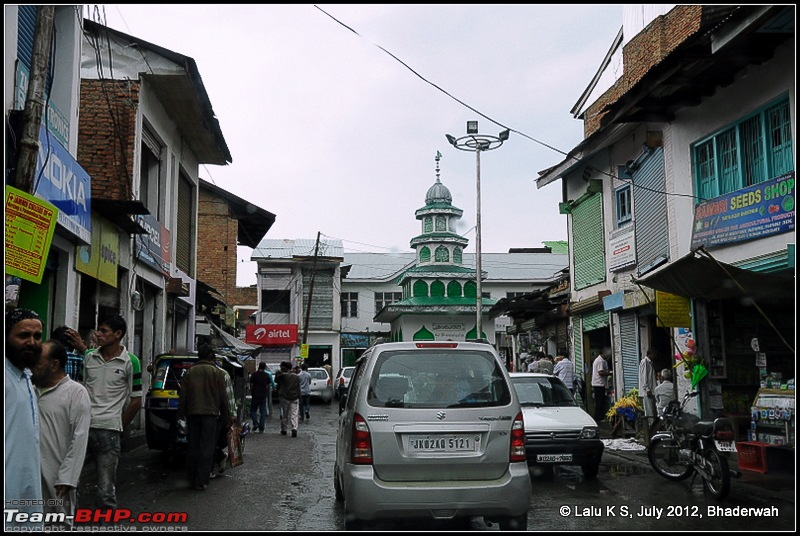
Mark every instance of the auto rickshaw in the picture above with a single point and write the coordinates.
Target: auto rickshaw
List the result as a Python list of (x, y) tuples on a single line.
[(161, 399)]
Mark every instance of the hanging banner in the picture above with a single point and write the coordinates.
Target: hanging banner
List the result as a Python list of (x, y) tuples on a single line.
[(30, 223)]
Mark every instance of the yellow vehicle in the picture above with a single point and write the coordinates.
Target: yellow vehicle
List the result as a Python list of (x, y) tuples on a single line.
[(161, 399)]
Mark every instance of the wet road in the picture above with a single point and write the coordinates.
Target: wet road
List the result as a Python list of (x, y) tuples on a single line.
[(287, 484)]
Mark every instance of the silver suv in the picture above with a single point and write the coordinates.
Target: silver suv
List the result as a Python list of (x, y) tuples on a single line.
[(431, 430)]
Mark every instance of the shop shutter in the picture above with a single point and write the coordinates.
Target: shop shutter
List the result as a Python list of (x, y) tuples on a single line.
[(183, 238), (629, 348), (650, 212), (26, 20), (595, 320), (589, 244)]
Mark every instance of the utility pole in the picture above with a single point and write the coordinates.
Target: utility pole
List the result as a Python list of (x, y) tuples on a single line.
[(310, 290), (34, 100)]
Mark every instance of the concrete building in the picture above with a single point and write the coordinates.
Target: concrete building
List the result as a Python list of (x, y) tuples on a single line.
[(680, 198)]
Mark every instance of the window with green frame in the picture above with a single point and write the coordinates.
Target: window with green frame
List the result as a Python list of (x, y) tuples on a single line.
[(755, 149)]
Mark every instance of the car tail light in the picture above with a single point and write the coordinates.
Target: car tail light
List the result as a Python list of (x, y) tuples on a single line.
[(437, 345), (362, 442), (517, 453), (341, 381)]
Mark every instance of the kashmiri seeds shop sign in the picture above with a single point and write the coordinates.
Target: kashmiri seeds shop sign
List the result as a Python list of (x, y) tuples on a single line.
[(754, 212), (271, 334)]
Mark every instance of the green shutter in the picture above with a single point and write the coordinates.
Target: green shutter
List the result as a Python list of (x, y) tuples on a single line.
[(595, 320), (589, 244)]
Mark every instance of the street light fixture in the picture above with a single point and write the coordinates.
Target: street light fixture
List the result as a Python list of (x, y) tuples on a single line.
[(477, 143)]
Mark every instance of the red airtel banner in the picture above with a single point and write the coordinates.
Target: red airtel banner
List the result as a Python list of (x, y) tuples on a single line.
[(271, 334)]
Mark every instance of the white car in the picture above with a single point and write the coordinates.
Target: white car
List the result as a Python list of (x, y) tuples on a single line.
[(342, 381), (321, 384), (557, 430)]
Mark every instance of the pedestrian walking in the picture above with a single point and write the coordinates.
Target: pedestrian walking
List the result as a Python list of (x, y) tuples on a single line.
[(289, 395), (23, 470), (259, 393), (305, 392), (113, 378), (65, 413), (203, 399)]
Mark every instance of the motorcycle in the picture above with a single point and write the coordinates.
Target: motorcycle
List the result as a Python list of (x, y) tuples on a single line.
[(686, 446)]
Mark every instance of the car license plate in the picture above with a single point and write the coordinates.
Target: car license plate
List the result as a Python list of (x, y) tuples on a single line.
[(437, 443), (725, 446), (553, 458)]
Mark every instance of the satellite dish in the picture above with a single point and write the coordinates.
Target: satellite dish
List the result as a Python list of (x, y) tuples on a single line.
[(137, 301)]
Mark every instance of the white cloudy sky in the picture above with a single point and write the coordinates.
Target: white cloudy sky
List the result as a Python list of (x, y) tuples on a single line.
[(333, 135)]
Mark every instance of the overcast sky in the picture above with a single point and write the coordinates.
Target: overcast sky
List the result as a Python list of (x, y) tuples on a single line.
[(332, 134)]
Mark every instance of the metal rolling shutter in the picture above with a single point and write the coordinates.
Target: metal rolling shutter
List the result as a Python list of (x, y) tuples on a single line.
[(183, 239), (26, 21), (589, 242), (629, 346), (650, 212)]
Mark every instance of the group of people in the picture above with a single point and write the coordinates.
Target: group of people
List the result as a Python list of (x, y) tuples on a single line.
[(561, 366), (54, 421), (294, 394)]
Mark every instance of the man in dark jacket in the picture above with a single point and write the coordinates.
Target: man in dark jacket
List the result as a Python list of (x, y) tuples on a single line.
[(289, 394), (260, 383), (203, 398)]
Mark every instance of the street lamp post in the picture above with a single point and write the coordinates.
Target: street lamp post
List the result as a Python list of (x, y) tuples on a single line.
[(477, 143)]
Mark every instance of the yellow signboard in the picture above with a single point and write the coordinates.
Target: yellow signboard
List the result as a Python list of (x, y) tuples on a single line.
[(304, 351), (101, 258), (673, 311), (30, 223)]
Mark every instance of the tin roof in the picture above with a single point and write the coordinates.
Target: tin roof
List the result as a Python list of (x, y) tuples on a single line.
[(287, 248)]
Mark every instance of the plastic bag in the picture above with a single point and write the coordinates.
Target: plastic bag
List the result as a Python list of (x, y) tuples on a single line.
[(235, 446)]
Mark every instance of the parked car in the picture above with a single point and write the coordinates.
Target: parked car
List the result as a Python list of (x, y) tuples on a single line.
[(557, 430), (321, 385), (431, 430), (342, 381)]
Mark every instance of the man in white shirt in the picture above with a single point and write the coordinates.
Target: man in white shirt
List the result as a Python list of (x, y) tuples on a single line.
[(600, 374), (65, 413)]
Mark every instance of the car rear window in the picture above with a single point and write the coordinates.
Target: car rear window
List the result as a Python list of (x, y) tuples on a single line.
[(437, 378), (542, 391), (318, 374)]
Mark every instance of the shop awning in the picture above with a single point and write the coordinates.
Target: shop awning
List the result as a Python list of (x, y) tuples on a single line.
[(698, 275), (232, 341)]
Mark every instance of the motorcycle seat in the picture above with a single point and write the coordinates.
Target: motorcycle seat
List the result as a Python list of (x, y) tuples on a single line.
[(704, 428)]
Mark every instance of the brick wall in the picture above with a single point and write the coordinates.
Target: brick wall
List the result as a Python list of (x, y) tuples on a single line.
[(647, 49), (107, 134), (217, 258)]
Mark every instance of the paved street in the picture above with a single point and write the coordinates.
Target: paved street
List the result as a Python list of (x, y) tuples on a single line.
[(286, 484)]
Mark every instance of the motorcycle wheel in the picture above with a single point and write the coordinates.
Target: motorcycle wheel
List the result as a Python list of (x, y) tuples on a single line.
[(719, 483), (664, 456)]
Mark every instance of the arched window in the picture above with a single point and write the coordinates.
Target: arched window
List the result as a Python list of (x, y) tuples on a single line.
[(437, 289), (425, 254), (441, 223), (470, 289), (428, 224), (457, 255), (420, 289), (442, 254), (454, 289)]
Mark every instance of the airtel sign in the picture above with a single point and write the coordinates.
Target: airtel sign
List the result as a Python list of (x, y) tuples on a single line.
[(271, 334)]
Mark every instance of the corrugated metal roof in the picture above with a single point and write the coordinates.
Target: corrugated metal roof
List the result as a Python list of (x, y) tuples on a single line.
[(287, 248), (533, 267)]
